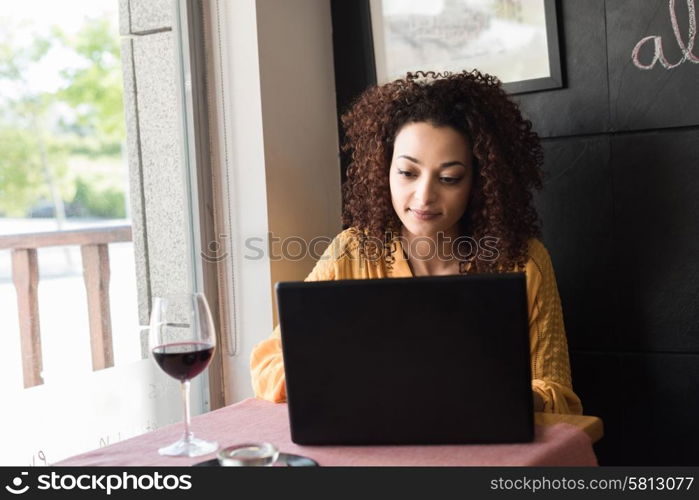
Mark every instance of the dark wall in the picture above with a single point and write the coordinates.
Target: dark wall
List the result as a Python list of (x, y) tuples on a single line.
[(620, 209)]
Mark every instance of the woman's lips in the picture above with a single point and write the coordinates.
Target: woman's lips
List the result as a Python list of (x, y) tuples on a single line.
[(422, 214)]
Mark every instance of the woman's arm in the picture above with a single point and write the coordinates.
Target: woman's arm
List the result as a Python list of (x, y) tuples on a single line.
[(266, 360), (267, 369), (538, 401), (549, 348)]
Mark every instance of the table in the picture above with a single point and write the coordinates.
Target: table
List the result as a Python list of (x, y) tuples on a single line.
[(561, 440), (592, 426)]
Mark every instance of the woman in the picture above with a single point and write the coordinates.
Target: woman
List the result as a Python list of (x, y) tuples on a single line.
[(438, 160)]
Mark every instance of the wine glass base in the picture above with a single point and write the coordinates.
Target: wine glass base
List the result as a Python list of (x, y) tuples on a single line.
[(193, 447)]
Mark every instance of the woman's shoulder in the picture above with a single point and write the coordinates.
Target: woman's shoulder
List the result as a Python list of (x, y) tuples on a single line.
[(537, 250), (342, 247), (345, 244), (348, 237), (539, 260)]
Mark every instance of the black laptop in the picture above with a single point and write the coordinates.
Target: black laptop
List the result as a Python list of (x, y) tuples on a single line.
[(429, 360)]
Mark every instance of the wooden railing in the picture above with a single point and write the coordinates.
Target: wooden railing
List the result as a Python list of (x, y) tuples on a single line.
[(25, 275)]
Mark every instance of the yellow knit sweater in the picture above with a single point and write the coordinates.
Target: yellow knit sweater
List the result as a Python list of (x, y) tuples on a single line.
[(548, 345)]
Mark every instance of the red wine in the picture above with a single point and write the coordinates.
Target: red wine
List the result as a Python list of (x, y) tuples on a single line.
[(184, 360)]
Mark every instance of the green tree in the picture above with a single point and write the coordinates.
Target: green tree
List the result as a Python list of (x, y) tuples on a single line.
[(36, 134), (20, 172), (31, 164), (108, 203), (95, 90)]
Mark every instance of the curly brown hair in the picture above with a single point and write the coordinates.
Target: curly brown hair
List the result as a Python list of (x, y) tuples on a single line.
[(507, 158)]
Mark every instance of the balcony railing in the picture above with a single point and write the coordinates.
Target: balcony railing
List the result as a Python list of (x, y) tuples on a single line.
[(25, 275)]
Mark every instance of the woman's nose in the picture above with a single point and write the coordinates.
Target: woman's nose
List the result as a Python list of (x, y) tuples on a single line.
[(425, 191)]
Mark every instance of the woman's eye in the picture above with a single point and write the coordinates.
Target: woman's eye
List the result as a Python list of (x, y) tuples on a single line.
[(404, 173), (450, 180)]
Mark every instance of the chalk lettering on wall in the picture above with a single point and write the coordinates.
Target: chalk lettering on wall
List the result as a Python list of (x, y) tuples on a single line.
[(658, 54)]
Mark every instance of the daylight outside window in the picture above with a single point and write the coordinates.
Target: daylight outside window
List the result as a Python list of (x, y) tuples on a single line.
[(76, 374)]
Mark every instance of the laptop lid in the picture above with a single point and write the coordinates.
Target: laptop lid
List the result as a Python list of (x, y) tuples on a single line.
[(428, 360)]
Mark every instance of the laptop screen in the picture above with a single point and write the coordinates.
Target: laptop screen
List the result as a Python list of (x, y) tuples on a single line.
[(429, 360)]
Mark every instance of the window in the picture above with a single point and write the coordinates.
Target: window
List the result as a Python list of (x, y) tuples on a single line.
[(90, 130)]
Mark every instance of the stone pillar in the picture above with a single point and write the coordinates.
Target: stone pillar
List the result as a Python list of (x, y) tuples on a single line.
[(159, 207)]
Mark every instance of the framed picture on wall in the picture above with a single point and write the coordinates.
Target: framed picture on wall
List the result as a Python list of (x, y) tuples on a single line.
[(515, 40)]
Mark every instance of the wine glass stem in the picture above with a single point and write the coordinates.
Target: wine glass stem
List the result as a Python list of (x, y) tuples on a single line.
[(185, 399)]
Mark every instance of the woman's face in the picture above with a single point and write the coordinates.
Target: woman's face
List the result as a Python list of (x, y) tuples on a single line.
[(431, 178)]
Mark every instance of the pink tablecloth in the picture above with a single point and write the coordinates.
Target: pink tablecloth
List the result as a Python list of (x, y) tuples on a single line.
[(256, 420)]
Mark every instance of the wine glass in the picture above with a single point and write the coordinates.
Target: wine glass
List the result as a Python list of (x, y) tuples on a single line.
[(182, 340)]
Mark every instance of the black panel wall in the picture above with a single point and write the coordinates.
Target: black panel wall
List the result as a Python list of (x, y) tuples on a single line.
[(620, 209)]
